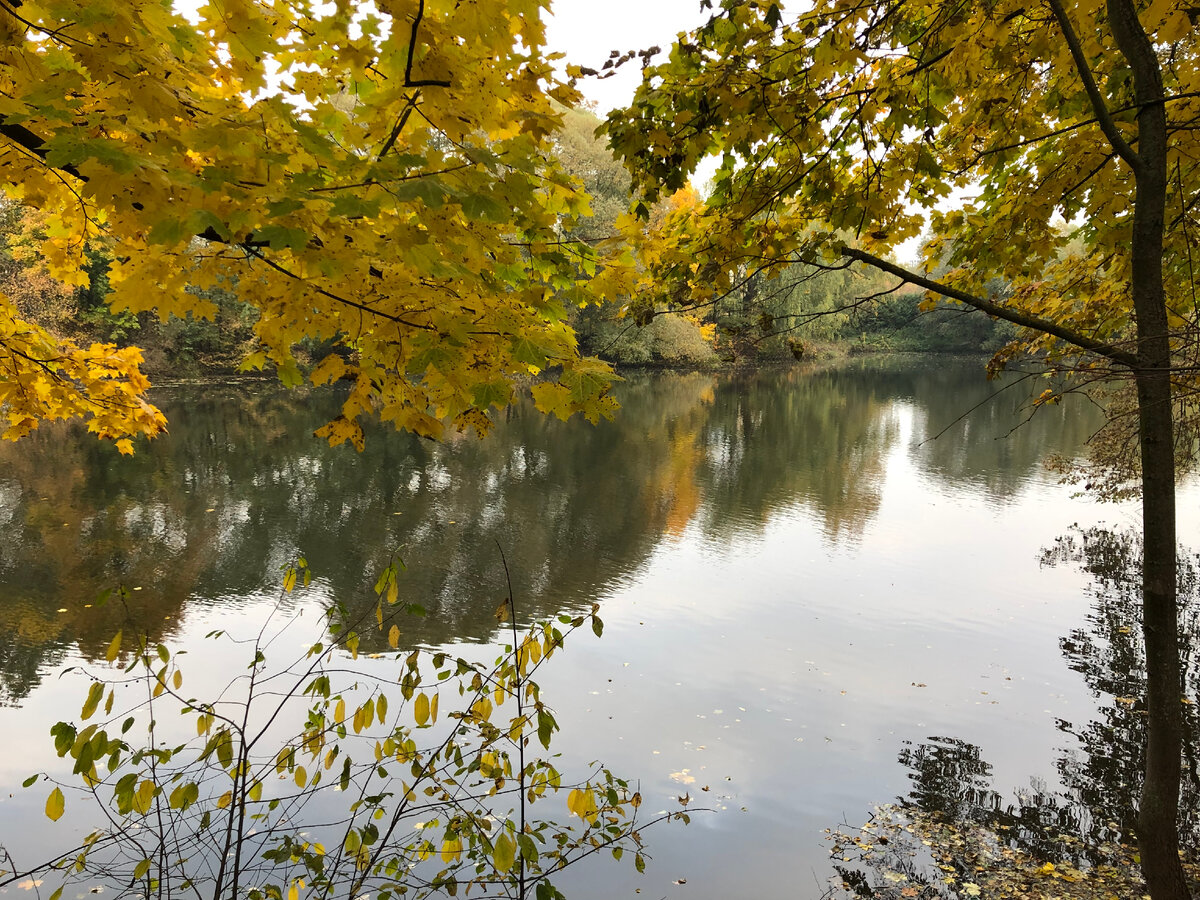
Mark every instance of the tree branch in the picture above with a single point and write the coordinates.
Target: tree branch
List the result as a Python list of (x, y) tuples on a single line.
[(23, 137), (412, 49), (337, 298), (1103, 116), (1108, 351)]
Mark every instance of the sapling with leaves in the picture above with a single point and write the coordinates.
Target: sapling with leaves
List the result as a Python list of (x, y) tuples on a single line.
[(378, 792)]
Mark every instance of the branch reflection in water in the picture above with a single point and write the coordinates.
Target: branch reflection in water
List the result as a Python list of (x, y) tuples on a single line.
[(954, 836)]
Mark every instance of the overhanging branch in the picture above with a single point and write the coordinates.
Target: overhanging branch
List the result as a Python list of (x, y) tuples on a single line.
[(23, 137), (1108, 351)]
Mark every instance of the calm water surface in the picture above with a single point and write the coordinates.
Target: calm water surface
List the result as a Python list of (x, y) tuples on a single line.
[(803, 588)]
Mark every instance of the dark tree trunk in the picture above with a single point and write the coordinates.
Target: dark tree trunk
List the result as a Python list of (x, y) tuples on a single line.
[(1158, 830), (1158, 835)]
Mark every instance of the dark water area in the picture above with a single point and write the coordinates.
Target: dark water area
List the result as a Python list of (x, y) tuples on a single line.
[(817, 587)]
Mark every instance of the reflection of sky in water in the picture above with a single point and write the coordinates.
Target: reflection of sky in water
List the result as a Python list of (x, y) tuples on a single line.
[(777, 649)]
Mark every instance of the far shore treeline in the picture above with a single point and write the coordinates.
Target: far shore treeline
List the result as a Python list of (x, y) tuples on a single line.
[(806, 314)]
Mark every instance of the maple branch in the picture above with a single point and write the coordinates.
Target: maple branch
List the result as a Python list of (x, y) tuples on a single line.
[(403, 120), (337, 298), (1131, 107), (10, 7), (1008, 314), (1035, 140), (1103, 116), (412, 49), (371, 182), (23, 137)]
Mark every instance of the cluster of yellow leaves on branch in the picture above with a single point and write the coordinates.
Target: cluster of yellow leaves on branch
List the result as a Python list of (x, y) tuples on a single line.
[(846, 128), (42, 377), (375, 174)]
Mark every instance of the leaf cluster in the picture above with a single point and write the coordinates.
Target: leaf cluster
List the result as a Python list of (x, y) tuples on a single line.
[(379, 792), (378, 176)]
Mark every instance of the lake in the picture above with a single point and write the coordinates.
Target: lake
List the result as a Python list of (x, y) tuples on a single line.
[(808, 580)]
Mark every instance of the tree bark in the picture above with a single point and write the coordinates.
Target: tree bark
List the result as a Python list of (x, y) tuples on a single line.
[(1158, 830)]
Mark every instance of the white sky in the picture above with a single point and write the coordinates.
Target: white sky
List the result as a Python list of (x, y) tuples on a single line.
[(587, 30)]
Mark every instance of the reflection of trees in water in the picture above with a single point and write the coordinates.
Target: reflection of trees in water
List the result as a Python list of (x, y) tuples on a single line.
[(952, 782), (780, 439), (1002, 441), (948, 776), (1095, 810), (1101, 775), (1110, 654), (210, 513)]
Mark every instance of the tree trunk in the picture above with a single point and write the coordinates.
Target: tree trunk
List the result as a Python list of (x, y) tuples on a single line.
[(1158, 829), (1158, 834)]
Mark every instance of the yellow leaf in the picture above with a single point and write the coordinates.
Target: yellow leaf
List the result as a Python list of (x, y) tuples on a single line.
[(143, 797), (451, 850), (503, 852), (95, 695), (55, 804)]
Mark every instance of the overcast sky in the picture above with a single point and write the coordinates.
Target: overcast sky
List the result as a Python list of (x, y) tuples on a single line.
[(587, 30)]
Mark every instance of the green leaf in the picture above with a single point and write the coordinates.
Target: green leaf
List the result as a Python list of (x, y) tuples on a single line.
[(169, 231), (64, 737), (546, 727), (281, 238), (200, 220), (494, 393), (224, 749), (529, 851)]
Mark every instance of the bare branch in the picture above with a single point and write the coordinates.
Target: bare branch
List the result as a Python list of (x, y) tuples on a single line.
[(1008, 314)]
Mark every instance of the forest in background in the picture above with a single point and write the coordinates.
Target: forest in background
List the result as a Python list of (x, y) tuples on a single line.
[(808, 313)]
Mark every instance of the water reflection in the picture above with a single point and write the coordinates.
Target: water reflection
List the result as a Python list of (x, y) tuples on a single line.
[(211, 513), (1104, 778), (1090, 817)]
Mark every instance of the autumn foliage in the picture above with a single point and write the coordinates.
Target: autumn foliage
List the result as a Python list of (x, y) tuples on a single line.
[(375, 176)]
